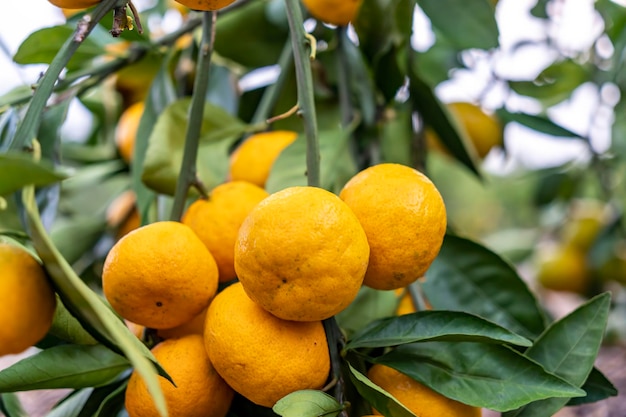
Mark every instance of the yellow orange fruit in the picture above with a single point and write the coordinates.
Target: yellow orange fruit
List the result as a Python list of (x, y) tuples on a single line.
[(404, 218), (301, 254), (418, 398), (193, 326), (562, 268), (122, 214), (584, 223), (259, 355), (199, 390), (27, 299), (484, 130), (335, 12), (126, 130), (252, 161), (217, 220), (74, 4), (160, 275), (205, 5)]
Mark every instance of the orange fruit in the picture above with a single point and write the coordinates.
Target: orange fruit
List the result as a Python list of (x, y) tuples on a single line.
[(126, 130), (404, 218), (405, 305), (217, 220), (193, 326), (160, 275), (259, 355), (252, 161), (27, 299), (301, 254), (74, 4), (562, 268), (418, 398), (484, 130), (584, 223), (199, 390), (335, 12), (122, 214), (205, 5)]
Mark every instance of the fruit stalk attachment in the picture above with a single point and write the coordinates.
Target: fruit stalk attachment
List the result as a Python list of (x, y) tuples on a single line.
[(188, 175)]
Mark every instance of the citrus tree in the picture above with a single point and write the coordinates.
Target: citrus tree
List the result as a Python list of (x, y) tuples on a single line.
[(324, 243)]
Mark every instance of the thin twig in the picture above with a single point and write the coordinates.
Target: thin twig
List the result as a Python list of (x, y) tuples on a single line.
[(343, 77), (187, 175), (284, 115)]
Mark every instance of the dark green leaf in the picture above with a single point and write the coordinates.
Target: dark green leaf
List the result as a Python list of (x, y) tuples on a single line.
[(463, 25), (74, 237), (42, 46), (237, 35), (64, 366), (19, 170), (71, 405), (568, 348), (10, 405), (539, 123), (336, 163), (554, 185), (438, 117), (466, 276), (433, 325), (67, 328), (165, 150), (483, 375), (307, 403), (540, 9), (89, 308), (105, 401), (369, 305), (378, 397), (597, 387)]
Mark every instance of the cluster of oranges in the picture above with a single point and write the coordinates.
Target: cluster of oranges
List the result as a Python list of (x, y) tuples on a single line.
[(288, 261)]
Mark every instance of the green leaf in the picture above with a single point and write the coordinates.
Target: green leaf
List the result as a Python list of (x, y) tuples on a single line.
[(112, 403), (336, 163), (434, 65), (89, 308), (41, 46), (164, 155), (66, 327), (597, 387), (539, 123), (237, 35), (468, 277), (64, 366), (75, 236), (380, 399), (464, 27), (396, 136), (72, 404), (307, 403), (433, 325), (438, 117), (555, 84), (11, 406), (18, 170), (540, 9), (568, 348), (369, 305), (482, 375)]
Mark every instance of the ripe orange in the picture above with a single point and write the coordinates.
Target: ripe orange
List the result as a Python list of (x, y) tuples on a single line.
[(563, 268), (584, 223), (404, 217), (74, 4), (217, 220), (122, 214), (335, 12), (193, 326), (301, 254), (199, 390), (261, 356), (205, 5), (126, 130), (484, 130), (27, 299), (420, 399), (252, 161), (160, 275)]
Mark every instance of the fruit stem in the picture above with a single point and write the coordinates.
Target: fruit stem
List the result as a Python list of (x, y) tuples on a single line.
[(270, 96), (304, 80), (187, 174), (32, 119)]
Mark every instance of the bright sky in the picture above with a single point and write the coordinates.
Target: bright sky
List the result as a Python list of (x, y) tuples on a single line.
[(577, 25)]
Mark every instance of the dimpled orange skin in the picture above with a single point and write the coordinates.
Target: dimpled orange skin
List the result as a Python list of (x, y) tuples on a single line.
[(420, 399), (160, 275), (74, 4), (259, 355), (301, 254), (336, 12), (27, 300), (217, 220), (205, 5), (252, 161), (404, 217), (199, 390), (126, 131)]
